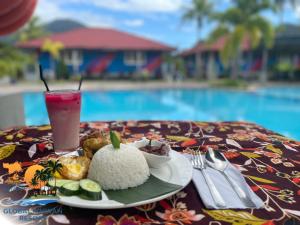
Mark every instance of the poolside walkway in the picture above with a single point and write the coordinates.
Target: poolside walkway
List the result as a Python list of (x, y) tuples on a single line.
[(90, 85), (99, 85)]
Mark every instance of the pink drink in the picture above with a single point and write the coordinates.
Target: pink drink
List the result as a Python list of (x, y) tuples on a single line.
[(64, 113)]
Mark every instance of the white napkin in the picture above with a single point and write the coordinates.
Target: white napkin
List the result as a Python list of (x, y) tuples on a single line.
[(232, 200)]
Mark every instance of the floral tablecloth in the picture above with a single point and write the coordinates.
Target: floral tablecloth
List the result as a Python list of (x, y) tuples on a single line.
[(269, 162)]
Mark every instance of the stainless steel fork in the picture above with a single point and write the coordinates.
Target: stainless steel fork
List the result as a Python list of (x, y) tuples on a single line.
[(198, 163)]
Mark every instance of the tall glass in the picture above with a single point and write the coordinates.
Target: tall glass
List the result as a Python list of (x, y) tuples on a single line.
[(64, 113)]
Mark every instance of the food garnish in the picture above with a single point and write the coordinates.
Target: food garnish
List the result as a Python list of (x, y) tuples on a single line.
[(70, 188), (90, 189), (115, 139), (86, 188), (59, 182), (94, 141)]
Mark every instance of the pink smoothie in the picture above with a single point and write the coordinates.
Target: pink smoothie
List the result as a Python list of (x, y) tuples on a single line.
[(64, 113)]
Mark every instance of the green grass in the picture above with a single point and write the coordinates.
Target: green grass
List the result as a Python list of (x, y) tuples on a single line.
[(229, 83)]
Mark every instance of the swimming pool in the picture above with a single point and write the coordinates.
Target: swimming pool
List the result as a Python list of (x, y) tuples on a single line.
[(275, 108)]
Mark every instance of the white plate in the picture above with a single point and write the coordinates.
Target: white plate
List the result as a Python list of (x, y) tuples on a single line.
[(177, 171)]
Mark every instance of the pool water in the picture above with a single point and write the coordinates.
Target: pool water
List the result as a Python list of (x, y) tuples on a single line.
[(275, 108)]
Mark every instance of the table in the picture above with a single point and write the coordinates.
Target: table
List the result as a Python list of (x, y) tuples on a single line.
[(269, 162)]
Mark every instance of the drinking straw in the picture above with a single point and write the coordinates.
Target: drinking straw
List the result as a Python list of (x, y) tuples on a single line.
[(80, 82), (42, 77)]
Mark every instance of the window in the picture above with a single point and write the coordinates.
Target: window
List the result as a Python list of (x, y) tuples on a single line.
[(135, 58), (72, 57)]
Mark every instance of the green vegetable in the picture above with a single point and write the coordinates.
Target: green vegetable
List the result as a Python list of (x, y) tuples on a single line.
[(90, 189), (59, 182), (70, 188), (114, 140), (152, 188)]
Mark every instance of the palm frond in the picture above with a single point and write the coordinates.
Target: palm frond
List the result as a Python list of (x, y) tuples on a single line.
[(254, 36), (266, 29), (198, 11), (243, 20), (189, 15), (220, 31), (233, 44), (231, 16)]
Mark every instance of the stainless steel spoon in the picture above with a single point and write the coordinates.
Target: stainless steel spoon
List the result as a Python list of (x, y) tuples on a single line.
[(198, 163), (217, 161)]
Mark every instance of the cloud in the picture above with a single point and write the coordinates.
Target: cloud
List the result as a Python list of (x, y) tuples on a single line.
[(152, 36), (51, 10), (127, 15), (47, 10), (134, 23), (297, 11), (138, 5)]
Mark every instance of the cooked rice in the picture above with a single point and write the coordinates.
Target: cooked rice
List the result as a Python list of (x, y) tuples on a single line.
[(119, 169)]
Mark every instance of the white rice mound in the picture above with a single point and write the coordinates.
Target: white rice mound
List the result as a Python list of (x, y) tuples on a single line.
[(116, 169)]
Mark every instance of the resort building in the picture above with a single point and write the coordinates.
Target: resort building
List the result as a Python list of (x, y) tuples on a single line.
[(99, 52), (283, 59)]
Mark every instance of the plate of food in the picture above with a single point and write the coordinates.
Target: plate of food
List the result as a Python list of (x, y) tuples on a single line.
[(119, 176)]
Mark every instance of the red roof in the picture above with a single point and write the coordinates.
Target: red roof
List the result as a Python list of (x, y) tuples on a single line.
[(215, 47), (100, 38)]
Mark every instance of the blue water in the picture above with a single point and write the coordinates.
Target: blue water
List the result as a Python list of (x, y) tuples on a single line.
[(275, 108)]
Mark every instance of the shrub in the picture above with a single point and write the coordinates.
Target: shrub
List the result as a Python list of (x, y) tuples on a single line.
[(229, 83), (62, 71)]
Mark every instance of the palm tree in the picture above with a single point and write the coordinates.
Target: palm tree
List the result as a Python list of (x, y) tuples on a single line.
[(53, 48), (37, 177), (42, 176), (32, 30), (54, 166), (34, 182), (12, 60), (241, 22), (280, 4), (45, 175), (199, 11)]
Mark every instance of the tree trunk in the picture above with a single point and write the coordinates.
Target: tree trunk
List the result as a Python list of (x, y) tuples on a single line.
[(249, 60), (211, 73), (294, 65), (199, 64), (264, 70), (235, 72), (199, 67), (234, 69), (53, 68)]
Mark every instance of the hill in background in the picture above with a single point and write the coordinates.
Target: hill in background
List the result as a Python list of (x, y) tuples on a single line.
[(56, 26), (62, 25)]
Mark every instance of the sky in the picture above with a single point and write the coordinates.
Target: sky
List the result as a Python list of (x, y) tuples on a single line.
[(156, 19)]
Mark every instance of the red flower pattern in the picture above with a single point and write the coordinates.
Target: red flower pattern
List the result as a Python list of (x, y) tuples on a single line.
[(272, 171), (184, 216), (110, 220)]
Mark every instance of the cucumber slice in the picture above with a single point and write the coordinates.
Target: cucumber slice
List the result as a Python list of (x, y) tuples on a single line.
[(59, 182), (70, 188), (90, 189)]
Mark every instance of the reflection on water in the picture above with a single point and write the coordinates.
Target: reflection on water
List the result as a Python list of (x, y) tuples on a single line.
[(277, 113)]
